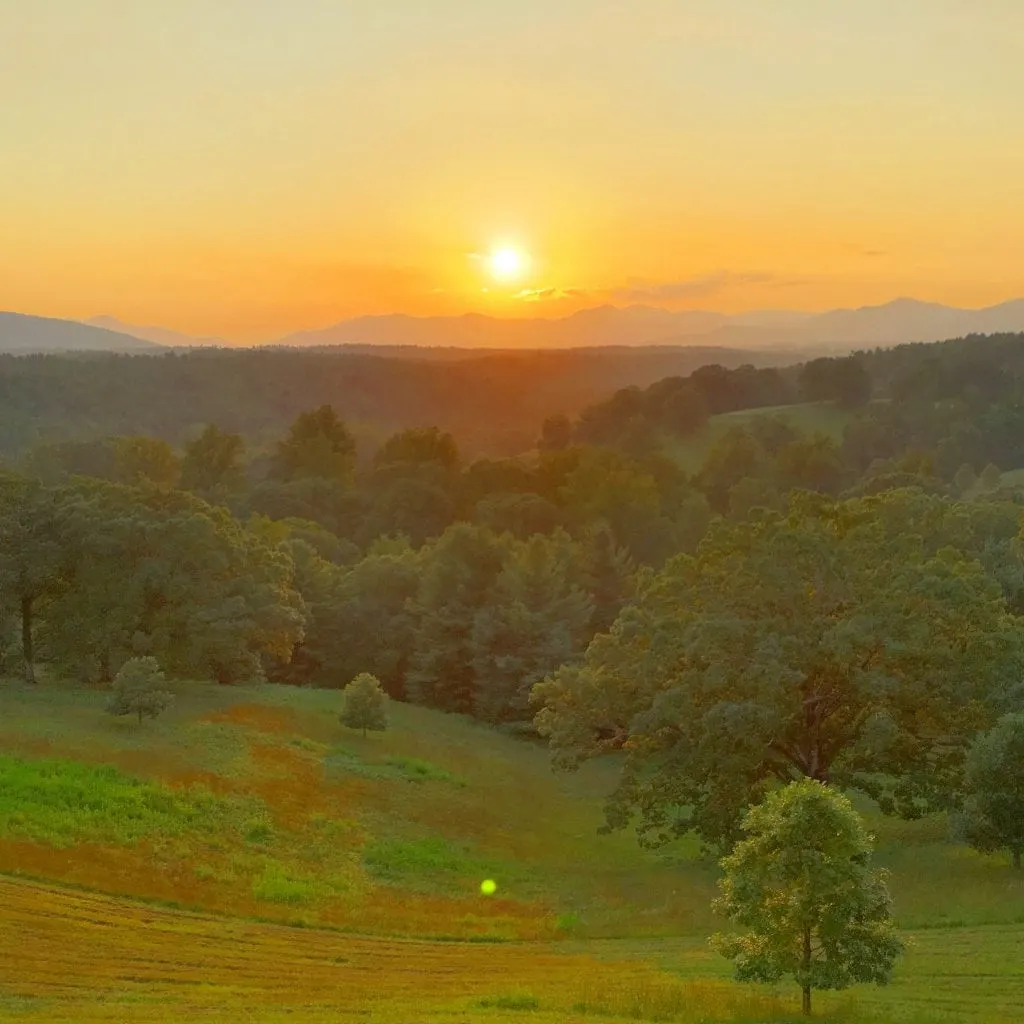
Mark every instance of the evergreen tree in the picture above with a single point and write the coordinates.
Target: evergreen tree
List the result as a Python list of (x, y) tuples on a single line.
[(365, 704), (318, 445), (609, 578), (459, 572), (800, 885), (535, 619), (138, 690)]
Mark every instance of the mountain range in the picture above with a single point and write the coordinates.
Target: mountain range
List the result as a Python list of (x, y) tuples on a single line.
[(25, 335), (788, 332)]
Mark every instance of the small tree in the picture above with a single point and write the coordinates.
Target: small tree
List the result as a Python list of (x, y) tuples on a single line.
[(965, 478), (799, 883), (365, 704), (138, 690), (991, 477), (993, 817)]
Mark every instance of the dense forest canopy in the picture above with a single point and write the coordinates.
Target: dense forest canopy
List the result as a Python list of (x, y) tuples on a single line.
[(865, 578), (492, 402)]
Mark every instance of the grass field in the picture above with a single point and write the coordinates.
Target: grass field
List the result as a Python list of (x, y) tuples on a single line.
[(246, 858), (811, 417)]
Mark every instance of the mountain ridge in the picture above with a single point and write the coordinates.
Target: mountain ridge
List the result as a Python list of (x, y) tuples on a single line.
[(24, 334), (835, 331)]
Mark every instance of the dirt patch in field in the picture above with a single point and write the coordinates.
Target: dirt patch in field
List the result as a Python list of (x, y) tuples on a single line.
[(131, 870)]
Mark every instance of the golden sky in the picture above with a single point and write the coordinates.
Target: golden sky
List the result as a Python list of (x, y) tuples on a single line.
[(246, 168)]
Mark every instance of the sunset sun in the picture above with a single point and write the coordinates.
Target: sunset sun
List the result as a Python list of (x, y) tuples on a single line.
[(507, 264)]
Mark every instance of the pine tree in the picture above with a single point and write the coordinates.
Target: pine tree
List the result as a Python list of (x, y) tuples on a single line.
[(534, 620), (365, 704), (609, 577), (138, 690)]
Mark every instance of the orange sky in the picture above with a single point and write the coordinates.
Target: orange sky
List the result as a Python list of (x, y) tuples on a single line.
[(246, 168)]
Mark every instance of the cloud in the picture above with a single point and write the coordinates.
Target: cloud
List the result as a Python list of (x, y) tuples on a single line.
[(549, 294), (692, 287)]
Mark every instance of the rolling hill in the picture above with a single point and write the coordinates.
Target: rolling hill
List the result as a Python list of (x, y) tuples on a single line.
[(276, 866)]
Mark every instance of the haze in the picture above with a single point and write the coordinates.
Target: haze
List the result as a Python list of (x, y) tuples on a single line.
[(246, 168)]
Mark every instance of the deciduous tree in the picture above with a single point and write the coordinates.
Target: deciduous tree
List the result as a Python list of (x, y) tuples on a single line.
[(993, 815), (139, 690), (800, 886), (365, 704), (823, 642)]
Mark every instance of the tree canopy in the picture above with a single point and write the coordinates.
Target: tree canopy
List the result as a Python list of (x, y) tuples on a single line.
[(822, 641)]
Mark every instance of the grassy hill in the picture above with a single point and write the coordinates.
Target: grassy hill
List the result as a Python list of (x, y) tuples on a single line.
[(809, 417), (207, 836)]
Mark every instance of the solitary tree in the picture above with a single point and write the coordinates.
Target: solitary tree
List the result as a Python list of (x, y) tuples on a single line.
[(138, 690), (365, 704), (993, 817), (800, 886)]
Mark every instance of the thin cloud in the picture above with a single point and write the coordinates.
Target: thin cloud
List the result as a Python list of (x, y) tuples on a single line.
[(548, 294), (692, 287)]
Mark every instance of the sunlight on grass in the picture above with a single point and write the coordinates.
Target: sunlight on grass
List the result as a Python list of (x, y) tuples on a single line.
[(63, 802)]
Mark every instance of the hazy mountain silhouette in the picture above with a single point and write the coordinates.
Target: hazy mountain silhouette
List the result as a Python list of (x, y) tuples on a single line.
[(602, 325), (21, 335), (893, 323), (785, 331), (158, 335)]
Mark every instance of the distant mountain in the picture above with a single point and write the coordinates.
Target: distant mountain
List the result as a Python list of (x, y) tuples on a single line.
[(22, 335), (158, 335), (602, 325), (902, 320), (787, 333), (846, 330)]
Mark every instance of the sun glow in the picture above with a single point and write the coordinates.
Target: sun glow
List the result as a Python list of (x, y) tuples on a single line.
[(506, 264)]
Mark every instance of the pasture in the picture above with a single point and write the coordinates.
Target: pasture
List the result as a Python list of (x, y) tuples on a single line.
[(245, 857), (808, 418)]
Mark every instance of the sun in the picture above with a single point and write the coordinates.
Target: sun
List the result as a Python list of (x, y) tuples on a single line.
[(507, 264)]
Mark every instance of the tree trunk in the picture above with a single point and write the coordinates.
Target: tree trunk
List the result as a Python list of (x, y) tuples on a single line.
[(1016, 851), (140, 717), (806, 1004), (27, 648)]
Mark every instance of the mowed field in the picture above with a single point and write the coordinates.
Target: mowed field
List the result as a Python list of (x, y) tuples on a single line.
[(808, 418), (247, 858)]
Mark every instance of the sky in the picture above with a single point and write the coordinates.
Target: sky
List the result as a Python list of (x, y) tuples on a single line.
[(246, 168)]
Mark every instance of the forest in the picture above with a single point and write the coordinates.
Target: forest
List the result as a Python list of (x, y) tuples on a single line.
[(797, 610)]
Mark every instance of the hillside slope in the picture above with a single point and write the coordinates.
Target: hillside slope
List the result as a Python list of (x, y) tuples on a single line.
[(256, 805)]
